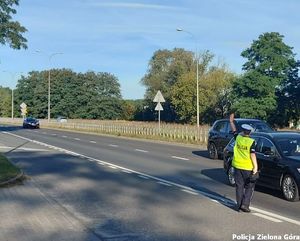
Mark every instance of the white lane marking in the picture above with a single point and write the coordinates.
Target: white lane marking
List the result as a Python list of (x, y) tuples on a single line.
[(44, 132), (180, 158), (112, 145), (126, 171), (276, 216), (215, 198), (112, 167), (77, 139), (22, 148), (93, 142), (144, 177), (64, 136), (53, 134), (267, 217), (189, 191), (140, 150), (165, 184)]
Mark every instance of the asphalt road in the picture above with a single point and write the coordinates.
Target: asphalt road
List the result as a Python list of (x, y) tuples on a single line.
[(141, 190)]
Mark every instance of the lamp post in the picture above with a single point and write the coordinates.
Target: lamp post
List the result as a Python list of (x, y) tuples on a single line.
[(197, 69), (49, 80), (13, 74)]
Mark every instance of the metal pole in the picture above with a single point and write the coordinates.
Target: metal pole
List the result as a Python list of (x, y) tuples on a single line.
[(12, 103), (197, 62), (49, 81), (49, 96), (159, 121)]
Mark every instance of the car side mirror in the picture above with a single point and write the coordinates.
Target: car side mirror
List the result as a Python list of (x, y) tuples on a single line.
[(269, 153)]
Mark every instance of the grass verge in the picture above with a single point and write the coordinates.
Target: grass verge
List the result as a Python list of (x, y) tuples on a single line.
[(7, 169)]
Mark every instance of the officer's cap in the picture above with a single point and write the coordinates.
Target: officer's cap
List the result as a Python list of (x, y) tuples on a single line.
[(247, 127)]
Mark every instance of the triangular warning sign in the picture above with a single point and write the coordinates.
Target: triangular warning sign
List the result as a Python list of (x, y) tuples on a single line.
[(159, 107), (158, 97)]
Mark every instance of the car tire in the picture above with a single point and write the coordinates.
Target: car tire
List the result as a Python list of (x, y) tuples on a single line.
[(289, 188), (230, 176), (212, 151)]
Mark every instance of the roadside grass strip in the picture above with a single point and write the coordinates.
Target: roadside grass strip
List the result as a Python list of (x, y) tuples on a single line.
[(7, 169), (213, 197)]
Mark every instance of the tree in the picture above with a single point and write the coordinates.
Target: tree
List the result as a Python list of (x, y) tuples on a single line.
[(11, 31), (89, 95), (288, 99), (214, 85), (5, 103), (165, 68), (269, 64)]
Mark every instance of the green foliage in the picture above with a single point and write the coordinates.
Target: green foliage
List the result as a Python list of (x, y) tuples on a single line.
[(5, 103), (11, 31), (89, 95), (174, 74), (269, 66), (165, 68)]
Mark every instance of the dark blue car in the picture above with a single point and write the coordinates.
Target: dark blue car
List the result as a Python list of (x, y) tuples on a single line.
[(220, 134), (278, 157), (30, 122)]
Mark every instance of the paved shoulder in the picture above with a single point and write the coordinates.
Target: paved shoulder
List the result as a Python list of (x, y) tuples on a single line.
[(28, 215)]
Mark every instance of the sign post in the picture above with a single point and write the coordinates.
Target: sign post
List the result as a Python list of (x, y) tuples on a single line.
[(159, 98), (23, 109)]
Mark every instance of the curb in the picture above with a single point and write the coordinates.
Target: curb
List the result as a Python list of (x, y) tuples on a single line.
[(12, 179)]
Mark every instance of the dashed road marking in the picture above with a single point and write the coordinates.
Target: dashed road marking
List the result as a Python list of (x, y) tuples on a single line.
[(77, 139), (53, 134), (64, 136), (93, 142), (112, 145), (140, 150), (215, 198), (180, 158)]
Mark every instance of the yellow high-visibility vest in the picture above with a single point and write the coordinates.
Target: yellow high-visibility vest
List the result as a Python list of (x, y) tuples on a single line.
[(241, 153)]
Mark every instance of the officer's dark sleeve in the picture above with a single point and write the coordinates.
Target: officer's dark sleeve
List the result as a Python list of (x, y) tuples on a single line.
[(252, 148), (235, 134)]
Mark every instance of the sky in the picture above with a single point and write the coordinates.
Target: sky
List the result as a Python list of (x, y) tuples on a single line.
[(120, 37)]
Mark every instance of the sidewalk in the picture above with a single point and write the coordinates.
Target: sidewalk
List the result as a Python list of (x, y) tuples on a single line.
[(27, 215)]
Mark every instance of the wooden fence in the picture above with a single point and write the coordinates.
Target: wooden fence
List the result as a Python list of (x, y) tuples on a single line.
[(149, 130)]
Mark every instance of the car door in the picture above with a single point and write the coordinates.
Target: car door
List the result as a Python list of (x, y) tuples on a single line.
[(223, 135), (270, 167)]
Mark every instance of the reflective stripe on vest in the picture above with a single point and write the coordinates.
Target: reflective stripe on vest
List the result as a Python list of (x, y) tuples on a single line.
[(241, 156)]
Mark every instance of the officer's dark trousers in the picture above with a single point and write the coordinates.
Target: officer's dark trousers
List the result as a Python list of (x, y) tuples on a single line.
[(244, 188)]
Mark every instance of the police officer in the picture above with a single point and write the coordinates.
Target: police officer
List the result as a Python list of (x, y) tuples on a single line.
[(245, 164)]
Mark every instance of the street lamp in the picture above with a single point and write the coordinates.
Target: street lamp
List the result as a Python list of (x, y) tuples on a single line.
[(49, 80), (13, 74), (197, 69)]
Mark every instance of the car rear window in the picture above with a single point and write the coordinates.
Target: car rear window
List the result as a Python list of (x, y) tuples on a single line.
[(258, 126)]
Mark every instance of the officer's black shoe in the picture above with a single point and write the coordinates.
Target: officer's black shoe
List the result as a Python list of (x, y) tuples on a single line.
[(245, 209), (237, 208)]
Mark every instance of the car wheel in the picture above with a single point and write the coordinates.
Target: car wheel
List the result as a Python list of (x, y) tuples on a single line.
[(212, 150), (290, 189), (230, 175)]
